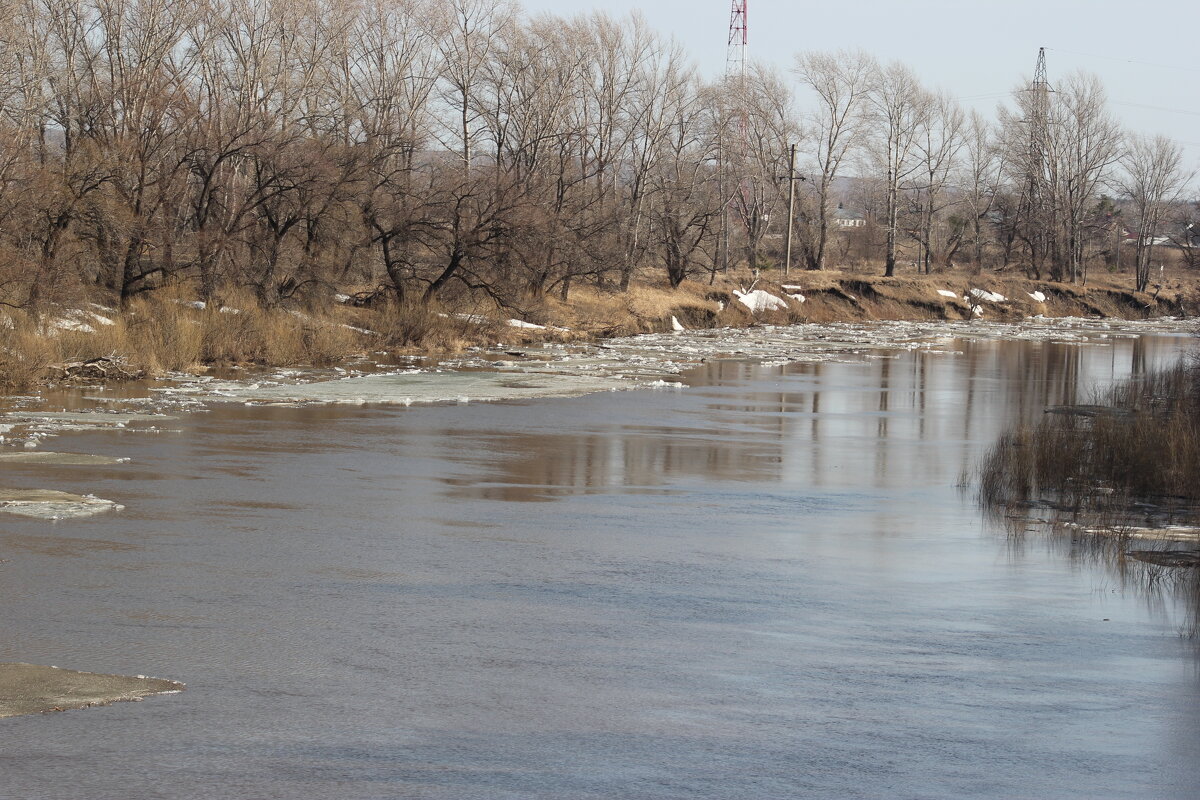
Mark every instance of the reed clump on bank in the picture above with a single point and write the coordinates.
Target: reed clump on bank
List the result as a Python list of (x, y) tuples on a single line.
[(1140, 443), (158, 335)]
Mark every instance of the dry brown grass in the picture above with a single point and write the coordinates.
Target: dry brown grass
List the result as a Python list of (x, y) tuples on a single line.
[(25, 355), (643, 308), (413, 326)]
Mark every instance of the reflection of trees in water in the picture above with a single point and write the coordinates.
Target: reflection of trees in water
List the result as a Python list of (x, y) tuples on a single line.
[(911, 415), (535, 466)]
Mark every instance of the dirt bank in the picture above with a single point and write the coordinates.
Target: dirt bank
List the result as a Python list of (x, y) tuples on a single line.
[(849, 297)]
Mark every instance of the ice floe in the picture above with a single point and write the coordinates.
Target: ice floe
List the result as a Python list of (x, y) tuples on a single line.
[(58, 459), (50, 504)]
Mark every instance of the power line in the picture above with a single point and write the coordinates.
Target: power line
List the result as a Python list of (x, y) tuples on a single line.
[(1155, 108), (1125, 60)]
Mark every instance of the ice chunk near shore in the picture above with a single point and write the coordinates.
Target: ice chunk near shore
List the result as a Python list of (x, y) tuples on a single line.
[(947, 293), (424, 388), (36, 689), (759, 301), (91, 418), (991, 297), (977, 310), (676, 325), (799, 298), (1038, 296), (53, 505), (520, 323)]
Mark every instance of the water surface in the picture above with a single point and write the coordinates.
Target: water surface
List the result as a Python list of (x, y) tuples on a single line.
[(765, 584)]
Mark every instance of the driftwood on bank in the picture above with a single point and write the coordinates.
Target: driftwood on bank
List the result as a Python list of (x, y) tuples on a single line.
[(97, 369)]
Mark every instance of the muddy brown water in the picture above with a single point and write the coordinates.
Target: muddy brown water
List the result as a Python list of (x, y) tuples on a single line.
[(764, 585)]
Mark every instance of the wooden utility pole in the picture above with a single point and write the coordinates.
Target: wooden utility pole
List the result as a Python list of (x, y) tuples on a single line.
[(787, 257)]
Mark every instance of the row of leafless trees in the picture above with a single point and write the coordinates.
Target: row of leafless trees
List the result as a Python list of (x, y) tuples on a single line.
[(430, 146), (1051, 176)]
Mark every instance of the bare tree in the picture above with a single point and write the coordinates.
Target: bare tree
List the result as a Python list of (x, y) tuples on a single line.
[(473, 32), (841, 82), (897, 106), (940, 139), (685, 201), (1083, 143), (980, 178), (1153, 181), (755, 123)]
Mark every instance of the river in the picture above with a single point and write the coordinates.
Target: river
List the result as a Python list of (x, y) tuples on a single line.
[(764, 584)]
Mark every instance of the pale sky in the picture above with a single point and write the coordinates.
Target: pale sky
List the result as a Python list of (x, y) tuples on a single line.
[(1147, 52)]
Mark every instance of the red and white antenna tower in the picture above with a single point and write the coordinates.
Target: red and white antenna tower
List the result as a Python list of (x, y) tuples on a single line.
[(739, 30)]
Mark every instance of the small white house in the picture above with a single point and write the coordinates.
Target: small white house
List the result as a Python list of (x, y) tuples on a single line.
[(845, 218)]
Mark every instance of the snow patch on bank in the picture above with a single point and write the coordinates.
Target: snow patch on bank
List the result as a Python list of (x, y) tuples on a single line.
[(758, 301), (984, 294)]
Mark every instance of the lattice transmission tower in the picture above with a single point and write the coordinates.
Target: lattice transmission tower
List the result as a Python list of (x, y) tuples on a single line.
[(1037, 200), (739, 37), (734, 143)]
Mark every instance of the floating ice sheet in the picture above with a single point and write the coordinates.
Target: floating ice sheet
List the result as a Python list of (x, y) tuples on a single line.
[(426, 388), (58, 459), (100, 418), (50, 504)]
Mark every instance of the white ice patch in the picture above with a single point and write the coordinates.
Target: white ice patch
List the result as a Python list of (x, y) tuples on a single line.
[(948, 293), (759, 301), (70, 323), (991, 297), (676, 325), (799, 298), (520, 323), (1038, 296)]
